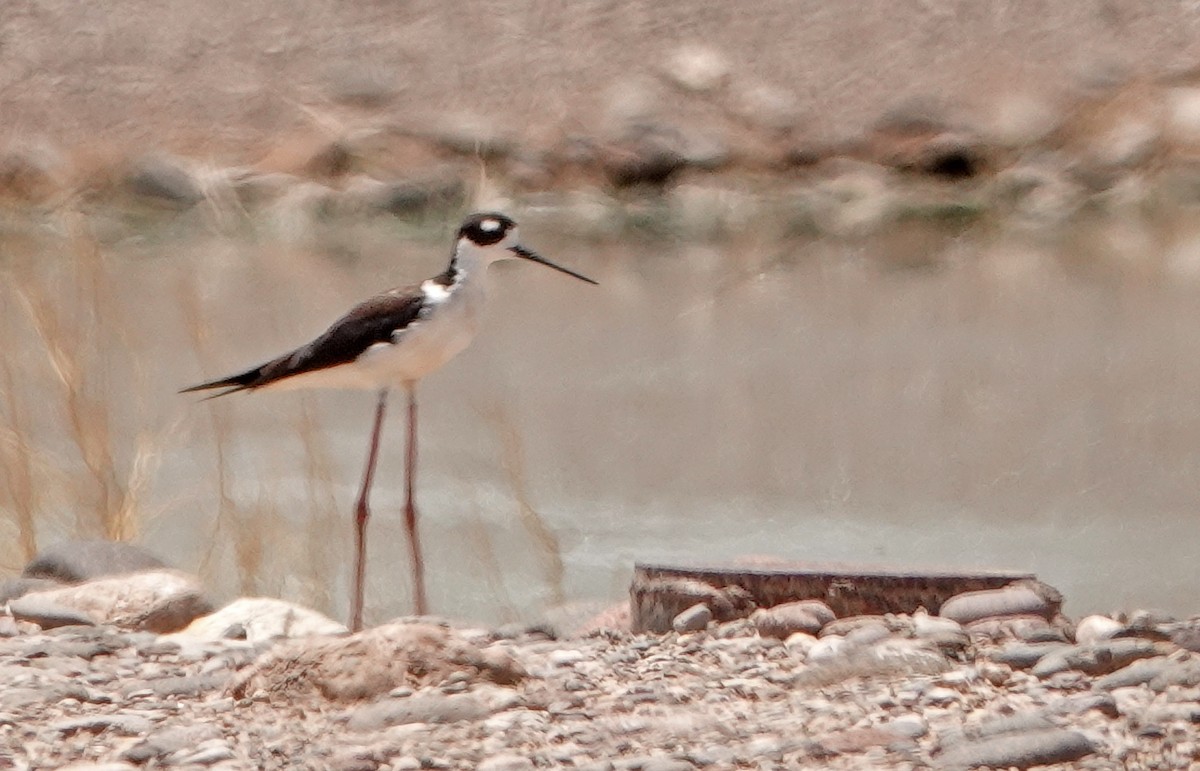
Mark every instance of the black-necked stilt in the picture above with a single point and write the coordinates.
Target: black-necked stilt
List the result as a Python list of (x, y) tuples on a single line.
[(395, 339)]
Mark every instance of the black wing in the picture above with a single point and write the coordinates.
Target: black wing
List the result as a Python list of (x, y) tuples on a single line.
[(373, 321)]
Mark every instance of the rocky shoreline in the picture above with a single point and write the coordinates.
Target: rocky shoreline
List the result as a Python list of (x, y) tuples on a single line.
[(696, 144), (999, 679)]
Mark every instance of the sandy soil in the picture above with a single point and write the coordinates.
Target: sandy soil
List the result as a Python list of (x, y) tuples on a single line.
[(220, 78)]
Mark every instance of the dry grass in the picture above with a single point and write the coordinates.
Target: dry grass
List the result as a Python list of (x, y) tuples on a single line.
[(326, 518), (17, 458), (74, 331), (546, 547)]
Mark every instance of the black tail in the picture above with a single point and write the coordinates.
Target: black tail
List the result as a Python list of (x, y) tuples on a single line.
[(241, 382)]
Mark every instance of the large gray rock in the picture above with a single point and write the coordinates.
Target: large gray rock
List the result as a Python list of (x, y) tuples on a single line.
[(74, 561), (154, 601)]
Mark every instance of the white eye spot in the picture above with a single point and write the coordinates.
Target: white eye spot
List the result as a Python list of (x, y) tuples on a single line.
[(489, 226)]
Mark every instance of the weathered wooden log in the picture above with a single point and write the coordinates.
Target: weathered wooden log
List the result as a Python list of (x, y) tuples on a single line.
[(659, 592)]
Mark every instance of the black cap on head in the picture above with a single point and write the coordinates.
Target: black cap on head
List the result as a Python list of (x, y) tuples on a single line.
[(486, 228)]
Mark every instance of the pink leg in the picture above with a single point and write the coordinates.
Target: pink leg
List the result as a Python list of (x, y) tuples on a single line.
[(420, 607), (361, 513)]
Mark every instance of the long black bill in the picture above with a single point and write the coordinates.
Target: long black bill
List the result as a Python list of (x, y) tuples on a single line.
[(533, 256)]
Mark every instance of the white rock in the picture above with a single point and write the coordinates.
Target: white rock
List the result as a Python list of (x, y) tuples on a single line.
[(565, 658), (255, 619), (1095, 628), (697, 67), (925, 625), (801, 643), (826, 649), (941, 696), (505, 763)]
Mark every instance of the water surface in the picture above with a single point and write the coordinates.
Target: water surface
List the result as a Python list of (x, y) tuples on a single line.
[(982, 398)]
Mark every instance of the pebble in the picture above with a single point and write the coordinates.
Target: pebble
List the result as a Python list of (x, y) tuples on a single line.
[(1137, 673), (566, 658), (165, 179), (1099, 659), (694, 619), (782, 621), (505, 763), (873, 697), (423, 708), (1025, 655), (826, 649), (1019, 749), (46, 613), (927, 626), (1015, 599), (1093, 629)]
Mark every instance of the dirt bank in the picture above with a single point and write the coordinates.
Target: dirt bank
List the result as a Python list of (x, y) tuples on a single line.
[(224, 79)]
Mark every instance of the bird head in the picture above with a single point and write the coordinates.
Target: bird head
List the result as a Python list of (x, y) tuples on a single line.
[(490, 236)]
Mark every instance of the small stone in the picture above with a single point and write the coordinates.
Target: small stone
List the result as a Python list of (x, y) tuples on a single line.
[(941, 696), (1024, 597), (657, 602), (1020, 750), (206, 754), (867, 634), (1025, 655), (854, 740), (167, 741), (1137, 673), (927, 626), (1096, 628), (164, 179), (826, 649), (46, 613), (800, 642), (121, 725), (427, 708), (566, 658), (784, 620), (694, 619), (1099, 659), (653, 763), (910, 726), (505, 763), (697, 68), (1078, 704)]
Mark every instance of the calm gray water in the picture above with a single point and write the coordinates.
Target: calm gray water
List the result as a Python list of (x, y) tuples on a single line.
[(992, 398)]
